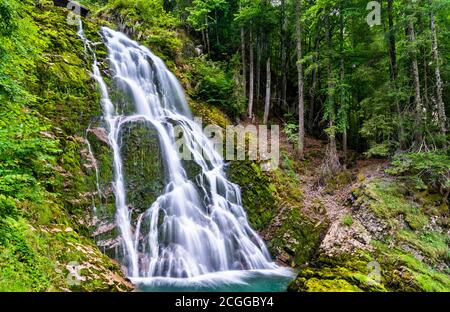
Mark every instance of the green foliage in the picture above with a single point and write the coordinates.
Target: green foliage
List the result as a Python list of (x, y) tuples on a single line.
[(291, 131), (199, 12), (380, 150), (47, 97), (216, 86), (430, 167), (7, 21), (347, 220), (155, 27), (22, 268)]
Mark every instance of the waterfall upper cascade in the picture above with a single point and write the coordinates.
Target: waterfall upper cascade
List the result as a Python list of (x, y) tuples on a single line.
[(197, 227)]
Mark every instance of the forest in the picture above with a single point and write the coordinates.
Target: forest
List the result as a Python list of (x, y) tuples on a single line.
[(360, 90)]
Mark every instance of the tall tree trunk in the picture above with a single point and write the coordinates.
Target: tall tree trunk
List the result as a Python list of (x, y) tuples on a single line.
[(392, 53), (216, 20), (439, 101), (251, 84), (258, 68), (425, 64), (416, 80), (312, 90), (301, 104), (283, 57), (268, 86), (204, 39), (331, 163), (391, 47), (244, 68), (207, 36), (342, 80)]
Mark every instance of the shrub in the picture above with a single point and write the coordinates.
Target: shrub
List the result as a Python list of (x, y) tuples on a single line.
[(430, 167), (216, 86)]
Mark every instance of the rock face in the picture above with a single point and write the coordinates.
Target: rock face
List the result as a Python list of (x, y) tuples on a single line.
[(50, 247), (388, 246), (345, 239), (143, 165), (143, 171)]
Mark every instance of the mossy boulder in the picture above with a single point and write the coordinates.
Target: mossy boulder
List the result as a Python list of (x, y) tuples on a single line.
[(257, 192), (143, 164), (343, 274), (297, 238), (409, 247)]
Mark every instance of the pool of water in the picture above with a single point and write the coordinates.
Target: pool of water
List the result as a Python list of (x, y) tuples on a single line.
[(227, 281)]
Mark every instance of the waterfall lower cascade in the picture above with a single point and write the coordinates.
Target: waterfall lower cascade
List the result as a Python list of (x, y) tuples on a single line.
[(197, 229)]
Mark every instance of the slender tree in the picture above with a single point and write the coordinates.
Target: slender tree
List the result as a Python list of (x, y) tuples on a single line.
[(437, 72), (301, 104), (331, 163), (416, 80), (244, 67), (251, 83), (268, 87)]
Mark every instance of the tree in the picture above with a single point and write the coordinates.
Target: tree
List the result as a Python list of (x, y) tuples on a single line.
[(419, 109), (268, 86), (439, 100), (301, 104)]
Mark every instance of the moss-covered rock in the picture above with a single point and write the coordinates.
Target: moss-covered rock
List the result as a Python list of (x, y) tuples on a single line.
[(409, 247), (143, 164), (297, 238), (344, 273), (274, 202), (46, 233), (257, 192)]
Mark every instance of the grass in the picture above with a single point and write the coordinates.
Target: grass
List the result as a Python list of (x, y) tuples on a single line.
[(347, 220)]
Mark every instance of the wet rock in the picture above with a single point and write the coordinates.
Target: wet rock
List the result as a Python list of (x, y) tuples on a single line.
[(101, 134)]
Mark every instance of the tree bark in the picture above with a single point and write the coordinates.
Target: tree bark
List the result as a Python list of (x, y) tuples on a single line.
[(312, 90), (301, 104), (283, 57), (251, 84), (416, 80), (392, 48), (258, 68), (268, 87), (207, 36), (439, 101), (244, 68), (392, 53), (331, 163), (425, 64), (342, 80), (244, 71)]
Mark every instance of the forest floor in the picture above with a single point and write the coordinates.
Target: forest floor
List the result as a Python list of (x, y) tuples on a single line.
[(328, 202), (363, 219)]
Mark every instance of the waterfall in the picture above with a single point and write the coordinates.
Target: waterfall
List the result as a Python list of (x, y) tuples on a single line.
[(197, 226)]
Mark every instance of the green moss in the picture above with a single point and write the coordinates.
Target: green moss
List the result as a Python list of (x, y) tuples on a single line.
[(342, 274), (347, 220), (257, 192), (434, 245), (388, 199), (44, 179), (297, 235), (404, 272), (323, 285), (143, 164), (210, 115)]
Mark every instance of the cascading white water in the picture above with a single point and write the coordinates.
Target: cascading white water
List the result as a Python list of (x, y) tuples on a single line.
[(198, 225)]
